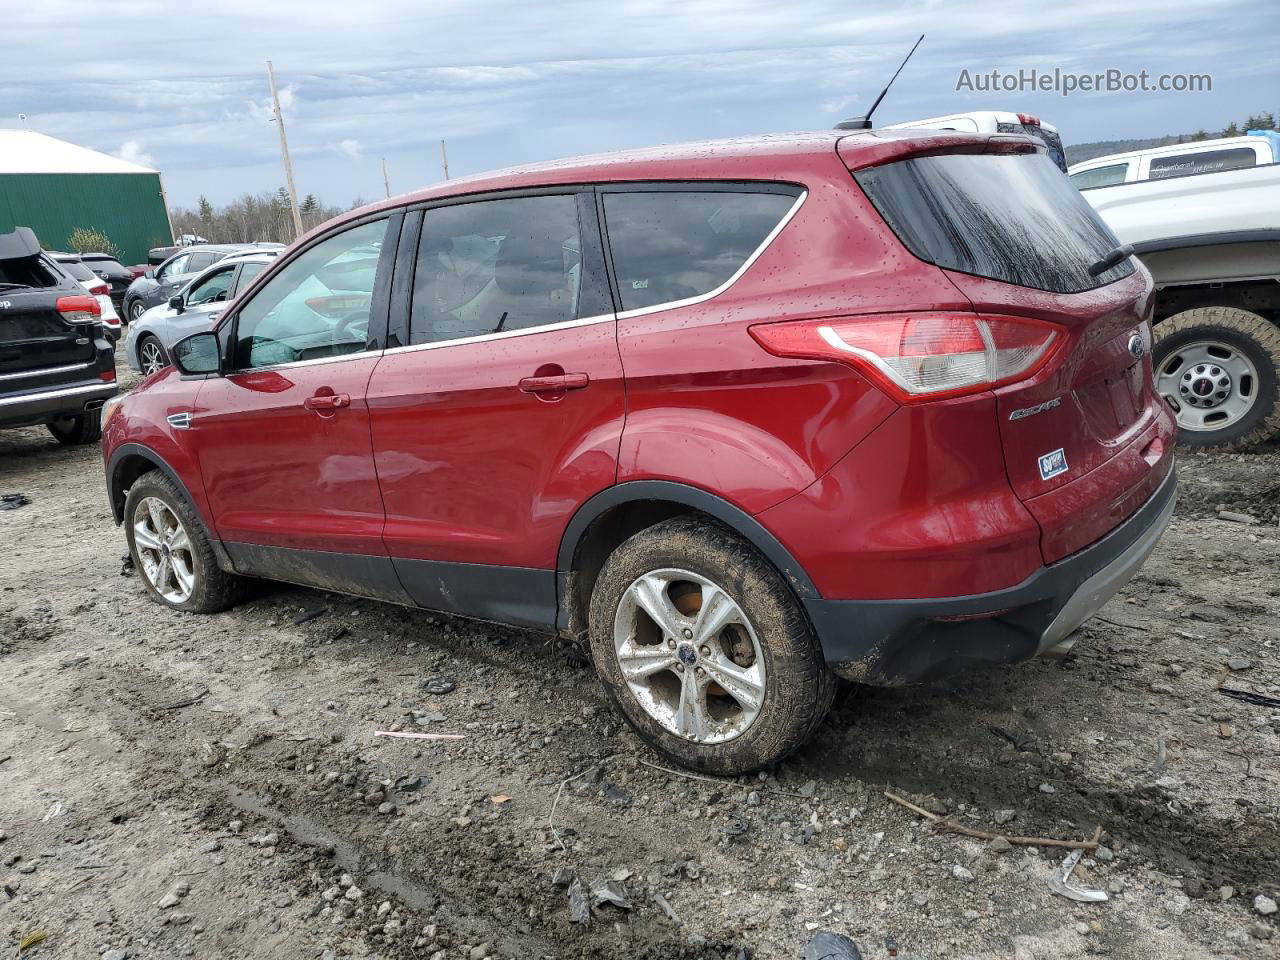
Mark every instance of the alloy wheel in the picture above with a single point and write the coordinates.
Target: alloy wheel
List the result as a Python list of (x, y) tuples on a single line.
[(689, 656), (135, 310), (164, 550), (152, 357), (1209, 384)]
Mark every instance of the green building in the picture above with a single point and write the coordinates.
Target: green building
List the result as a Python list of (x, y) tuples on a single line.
[(53, 187)]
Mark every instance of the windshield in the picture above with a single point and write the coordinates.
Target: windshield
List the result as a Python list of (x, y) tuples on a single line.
[(1009, 217)]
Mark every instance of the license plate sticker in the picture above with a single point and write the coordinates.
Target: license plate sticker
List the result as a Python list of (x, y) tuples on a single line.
[(1052, 464)]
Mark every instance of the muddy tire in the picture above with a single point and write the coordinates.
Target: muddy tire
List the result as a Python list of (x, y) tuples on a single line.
[(78, 430), (1219, 369), (705, 649), (170, 550)]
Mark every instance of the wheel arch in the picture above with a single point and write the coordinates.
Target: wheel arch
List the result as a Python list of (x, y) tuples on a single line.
[(615, 514)]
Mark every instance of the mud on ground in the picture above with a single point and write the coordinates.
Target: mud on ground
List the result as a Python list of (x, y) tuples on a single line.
[(175, 785)]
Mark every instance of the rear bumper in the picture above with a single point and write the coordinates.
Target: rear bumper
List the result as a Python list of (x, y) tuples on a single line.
[(43, 404), (905, 641)]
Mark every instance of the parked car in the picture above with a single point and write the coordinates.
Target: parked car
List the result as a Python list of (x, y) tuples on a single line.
[(152, 336), (95, 285), (117, 275), (742, 416), (56, 365), (1258, 148), (1211, 240), (996, 121), (156, 286)]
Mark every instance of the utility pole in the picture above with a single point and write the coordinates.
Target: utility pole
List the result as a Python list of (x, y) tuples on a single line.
[(284, 152), (386, 184), (444, 159)]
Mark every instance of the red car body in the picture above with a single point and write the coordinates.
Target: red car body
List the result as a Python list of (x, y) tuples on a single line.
[(489, 477)]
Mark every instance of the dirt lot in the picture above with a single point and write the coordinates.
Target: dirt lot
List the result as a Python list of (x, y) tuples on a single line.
[(175, 785)]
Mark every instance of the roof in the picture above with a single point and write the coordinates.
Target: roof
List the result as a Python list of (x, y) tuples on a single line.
[(25, 151), (1221, 143)]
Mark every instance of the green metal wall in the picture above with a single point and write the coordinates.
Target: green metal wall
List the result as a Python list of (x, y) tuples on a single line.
[(127, 207)]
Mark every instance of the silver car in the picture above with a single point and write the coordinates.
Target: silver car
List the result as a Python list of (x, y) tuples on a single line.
[(195, 308)]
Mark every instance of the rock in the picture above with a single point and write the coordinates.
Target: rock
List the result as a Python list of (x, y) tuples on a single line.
[(809, 789), (384, 908), (826, 945), (1193, 887), (116, 955), (169, 901), (753, 799), (1264, 905), (962, 873), (1161, 688), (179, 919), (563, 877), (1005, 816), (1226, 731), (1104, 855), (212, 846), (479, 952), (346, 881), (1048, 788), (1260, 931), (385, 808), (1239, 663), (1225, 893), (439, 686), (235, 826), (1233, 517), (353, 893), (182, 888), (1000, 845)]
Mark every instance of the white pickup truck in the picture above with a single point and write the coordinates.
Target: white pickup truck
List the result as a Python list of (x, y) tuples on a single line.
[(1212, 242)]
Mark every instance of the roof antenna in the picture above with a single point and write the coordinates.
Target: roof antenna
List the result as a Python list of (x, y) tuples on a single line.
[(864, 123)]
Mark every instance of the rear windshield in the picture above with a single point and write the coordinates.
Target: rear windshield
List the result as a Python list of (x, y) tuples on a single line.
[(1009, 217), (77, 269), (26, 272)]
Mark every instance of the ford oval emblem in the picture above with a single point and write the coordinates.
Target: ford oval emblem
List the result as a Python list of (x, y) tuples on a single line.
[(1137, 346)]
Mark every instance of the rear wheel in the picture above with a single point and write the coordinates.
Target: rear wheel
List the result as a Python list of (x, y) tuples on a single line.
[(170, 549), (1218, 368), (151, 355), (705, 649), (77, 430), (136, 309)]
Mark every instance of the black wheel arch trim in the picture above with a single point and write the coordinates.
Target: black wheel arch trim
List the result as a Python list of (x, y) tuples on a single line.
[(634, 491), (115, 492)]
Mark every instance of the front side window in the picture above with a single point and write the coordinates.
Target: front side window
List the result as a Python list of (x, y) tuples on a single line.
[(201, 261), (496, 265), (247, 272), (174, 267), (318, 305), (211, 289), (1206, 161), (672, 245), (1100, 176)]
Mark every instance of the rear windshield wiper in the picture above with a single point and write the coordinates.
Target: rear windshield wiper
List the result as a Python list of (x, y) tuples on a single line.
[(1120, 253)]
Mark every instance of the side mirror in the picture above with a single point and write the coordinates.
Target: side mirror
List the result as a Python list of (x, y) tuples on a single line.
[(175, 303), (198, 354)]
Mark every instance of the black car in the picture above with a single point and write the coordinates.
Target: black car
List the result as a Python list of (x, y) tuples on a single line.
[(56, 365), (157, 285), (117, 275)]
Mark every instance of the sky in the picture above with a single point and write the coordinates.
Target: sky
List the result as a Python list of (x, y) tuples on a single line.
[(183, 87)]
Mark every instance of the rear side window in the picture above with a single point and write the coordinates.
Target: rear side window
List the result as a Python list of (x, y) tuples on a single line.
[(26, 272), (494, 266), (1100, 176), (674, 245), (1207, 161), (1009, 217)]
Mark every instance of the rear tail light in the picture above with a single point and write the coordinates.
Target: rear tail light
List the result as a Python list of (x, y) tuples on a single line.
[(108, 375), (921, 356), (79, 309), (100, 289)]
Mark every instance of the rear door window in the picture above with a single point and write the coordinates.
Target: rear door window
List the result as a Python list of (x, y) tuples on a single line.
[(1205, 161), (1107, 176), (673, 245), (247, 272), (1010, 217), (494, 266), (199, 261)]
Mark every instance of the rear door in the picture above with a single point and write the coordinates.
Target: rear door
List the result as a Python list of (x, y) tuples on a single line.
[(1087, 440), (501, 411)]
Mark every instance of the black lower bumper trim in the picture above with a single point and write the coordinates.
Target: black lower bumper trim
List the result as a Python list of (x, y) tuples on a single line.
[(889, 642)]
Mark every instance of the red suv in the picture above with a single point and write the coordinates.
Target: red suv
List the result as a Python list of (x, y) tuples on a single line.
[(742, 416)]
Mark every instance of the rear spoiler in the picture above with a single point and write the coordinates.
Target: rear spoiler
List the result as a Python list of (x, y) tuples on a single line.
[(875, 147), (19, 244)]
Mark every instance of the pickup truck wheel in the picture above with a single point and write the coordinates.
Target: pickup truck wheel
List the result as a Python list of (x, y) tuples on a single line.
[(81, 429), (1218, 368), (171, 551), (705, 650)]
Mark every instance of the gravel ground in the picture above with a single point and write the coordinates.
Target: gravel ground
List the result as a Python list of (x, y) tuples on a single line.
[(174, 785)]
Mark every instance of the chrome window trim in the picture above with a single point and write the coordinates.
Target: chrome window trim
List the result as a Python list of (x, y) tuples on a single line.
[(315, 362), (746, 264), (505, 334), (68, 368)]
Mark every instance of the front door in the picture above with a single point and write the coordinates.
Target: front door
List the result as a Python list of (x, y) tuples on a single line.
[(283, 439), (503, 412)]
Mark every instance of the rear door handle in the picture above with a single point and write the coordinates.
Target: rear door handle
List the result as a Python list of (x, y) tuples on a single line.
[(327, 401), (553, 384)]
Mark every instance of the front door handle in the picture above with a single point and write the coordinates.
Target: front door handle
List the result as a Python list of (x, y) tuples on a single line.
[(327, 401), (555, 384)]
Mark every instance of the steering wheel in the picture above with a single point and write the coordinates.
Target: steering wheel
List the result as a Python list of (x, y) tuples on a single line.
[(347, 325)]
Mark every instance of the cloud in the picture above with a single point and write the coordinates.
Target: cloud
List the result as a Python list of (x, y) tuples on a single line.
[(352, 148), (263, 110), (132, 152)]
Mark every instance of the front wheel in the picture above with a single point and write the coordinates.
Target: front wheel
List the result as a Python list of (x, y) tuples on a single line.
[(1218, 368), (169, 547), (77, 430), (705, 649), (136, 310), (151, 356)]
